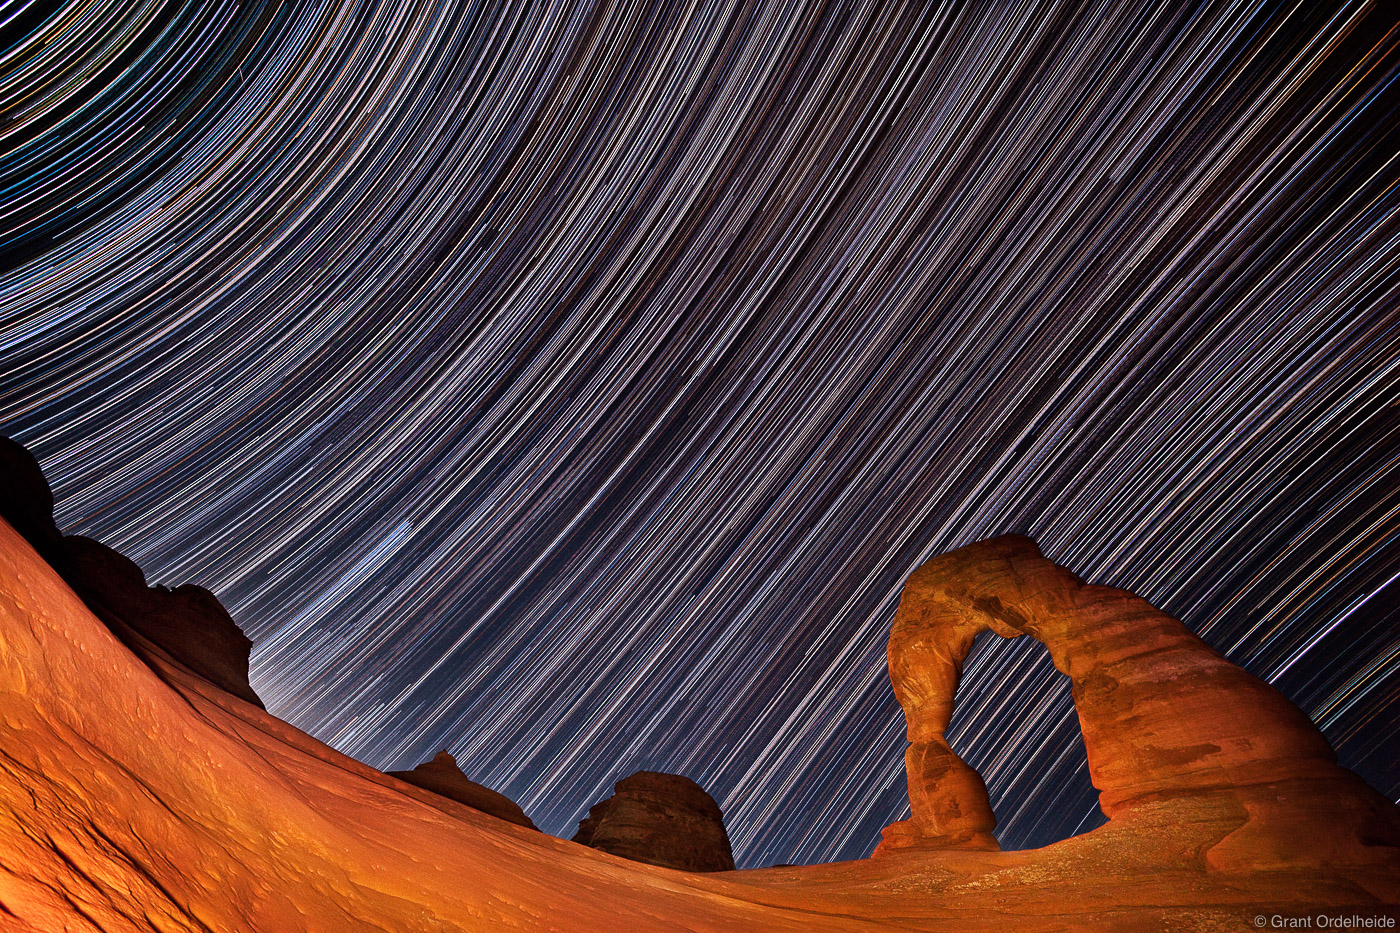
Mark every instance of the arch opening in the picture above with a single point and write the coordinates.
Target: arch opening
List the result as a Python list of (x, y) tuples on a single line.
[(1040, 792)]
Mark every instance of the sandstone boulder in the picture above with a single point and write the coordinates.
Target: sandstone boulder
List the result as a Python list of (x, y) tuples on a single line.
[(442, 776), (660, 819)]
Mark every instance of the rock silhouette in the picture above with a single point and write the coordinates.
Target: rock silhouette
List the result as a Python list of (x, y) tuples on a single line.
[(660, 819), (442, 776), (26, 501), (186, 625), (1169, 725)]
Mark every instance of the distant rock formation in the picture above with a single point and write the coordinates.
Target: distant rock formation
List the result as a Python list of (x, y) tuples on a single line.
[(660, 819), (442, 776), (187, 624), (1167, 722)]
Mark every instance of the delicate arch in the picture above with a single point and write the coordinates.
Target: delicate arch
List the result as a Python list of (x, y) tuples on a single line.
[(1163, 715)]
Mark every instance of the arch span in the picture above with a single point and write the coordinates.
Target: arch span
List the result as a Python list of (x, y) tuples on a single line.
[(1165, 719)]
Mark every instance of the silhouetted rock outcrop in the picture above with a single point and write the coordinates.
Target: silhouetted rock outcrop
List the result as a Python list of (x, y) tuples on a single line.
[(1169, 725), (187, 624), (660, 819), (26, 501), (442, 776)]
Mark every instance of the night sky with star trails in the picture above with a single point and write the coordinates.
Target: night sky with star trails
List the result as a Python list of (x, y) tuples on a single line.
[(573, 387)]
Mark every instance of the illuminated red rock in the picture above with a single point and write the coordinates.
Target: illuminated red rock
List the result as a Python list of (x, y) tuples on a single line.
[(138, 797), (660, 819), (442, 776), (1169, 725), (187, 625)]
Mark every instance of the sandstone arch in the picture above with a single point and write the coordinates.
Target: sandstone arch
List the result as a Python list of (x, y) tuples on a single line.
[(1167, 721)]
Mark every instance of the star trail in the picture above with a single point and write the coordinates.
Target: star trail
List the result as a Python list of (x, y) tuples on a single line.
[(573, 387)]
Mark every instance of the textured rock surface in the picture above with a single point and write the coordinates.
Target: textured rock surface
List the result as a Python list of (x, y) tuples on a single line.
[(660, 819), (187, 624), (442, 776), (1168, 723), (138, 797)]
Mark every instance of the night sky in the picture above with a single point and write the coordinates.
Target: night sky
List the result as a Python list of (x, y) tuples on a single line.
[(574, 388)]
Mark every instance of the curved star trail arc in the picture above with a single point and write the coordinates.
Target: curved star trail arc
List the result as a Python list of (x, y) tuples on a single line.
[(573, 387)]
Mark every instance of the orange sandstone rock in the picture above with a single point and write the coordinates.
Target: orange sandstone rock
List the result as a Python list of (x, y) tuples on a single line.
[(1168, 723), (442, 776), (660, 819)]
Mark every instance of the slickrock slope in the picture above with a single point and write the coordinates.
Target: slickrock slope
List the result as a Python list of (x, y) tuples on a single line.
[(442, 776), (660, 819), (1169, 725), (143, 798), (187, 625)]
